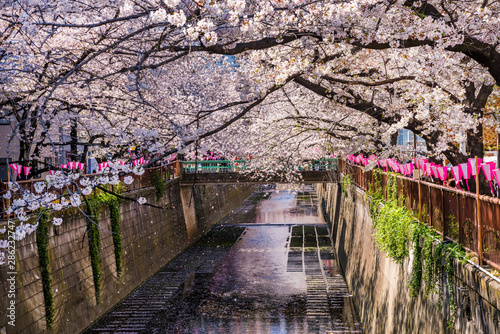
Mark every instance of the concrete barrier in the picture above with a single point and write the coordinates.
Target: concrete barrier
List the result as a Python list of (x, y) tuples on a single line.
[(379, 285)]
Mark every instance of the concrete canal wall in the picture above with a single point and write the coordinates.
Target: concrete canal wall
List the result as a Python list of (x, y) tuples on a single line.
[(379, 285), (150, 238)]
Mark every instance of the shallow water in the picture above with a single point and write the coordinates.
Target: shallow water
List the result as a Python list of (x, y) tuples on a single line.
[(269, 268)]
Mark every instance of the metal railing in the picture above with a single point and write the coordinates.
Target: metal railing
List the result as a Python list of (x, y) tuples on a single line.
[(222, 166), (451, 212), (214, 166)]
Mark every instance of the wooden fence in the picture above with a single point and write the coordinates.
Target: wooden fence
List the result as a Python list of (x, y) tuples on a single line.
[(451, 212)]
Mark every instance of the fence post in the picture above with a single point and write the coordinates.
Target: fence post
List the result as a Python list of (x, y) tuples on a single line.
[(419, 195), (442, 210), (178, 169), (479, 227)]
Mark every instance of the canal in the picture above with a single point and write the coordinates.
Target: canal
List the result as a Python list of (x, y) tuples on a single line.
[(268, 267)]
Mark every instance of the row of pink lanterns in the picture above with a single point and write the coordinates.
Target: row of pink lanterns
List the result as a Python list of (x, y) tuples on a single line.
[(461, 172), (73, 165), (19, 169)]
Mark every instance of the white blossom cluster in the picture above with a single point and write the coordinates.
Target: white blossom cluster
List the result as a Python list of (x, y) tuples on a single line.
[(47, 195), (283, 81)]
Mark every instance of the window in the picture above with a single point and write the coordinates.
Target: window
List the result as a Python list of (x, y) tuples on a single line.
[(3, 169)]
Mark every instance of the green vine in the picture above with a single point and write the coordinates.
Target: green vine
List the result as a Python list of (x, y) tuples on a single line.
[(114, 210), (94, 238), (159, 185), (113, 203), (42, 242), (429, 276), (455, 251), (393, 224), (376, 194), (346, 183), (438, 273), (416, 276)]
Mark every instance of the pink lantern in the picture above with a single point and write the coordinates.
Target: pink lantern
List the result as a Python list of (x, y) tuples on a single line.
[(14, 168), (465, 170), (427, 168), (421, 163), (487, 168), (52, 172), (434, 171), (443, 172), (82, 166), (496, 173), (27, 170), (472, 164), (457, 174), (404, 169)]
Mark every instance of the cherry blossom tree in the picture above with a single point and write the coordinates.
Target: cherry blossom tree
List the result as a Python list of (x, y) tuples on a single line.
[(283, 81)]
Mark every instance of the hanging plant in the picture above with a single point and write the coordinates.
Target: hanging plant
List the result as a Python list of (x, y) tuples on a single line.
[(159, 185), (42, 242), (94, 239), (393, 225)]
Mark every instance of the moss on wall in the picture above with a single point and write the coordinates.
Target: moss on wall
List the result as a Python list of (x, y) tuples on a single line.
[(42, 242), (94, 238)]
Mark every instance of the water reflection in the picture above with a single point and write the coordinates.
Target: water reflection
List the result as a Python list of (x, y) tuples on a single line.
[(272, 271), (278, 207)]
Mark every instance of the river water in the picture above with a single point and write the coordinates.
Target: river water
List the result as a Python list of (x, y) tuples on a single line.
[(268, 267)]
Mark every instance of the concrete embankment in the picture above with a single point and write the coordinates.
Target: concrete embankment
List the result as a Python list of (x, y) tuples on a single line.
[(150, 237), (379, 285)]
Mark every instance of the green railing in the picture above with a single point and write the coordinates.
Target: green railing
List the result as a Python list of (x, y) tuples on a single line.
[(221, 166), (214, 166), (322, 164)]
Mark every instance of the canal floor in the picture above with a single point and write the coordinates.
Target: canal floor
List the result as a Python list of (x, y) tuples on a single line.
[(268, 267)]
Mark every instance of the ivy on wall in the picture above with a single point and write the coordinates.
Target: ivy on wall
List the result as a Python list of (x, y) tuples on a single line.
[(42, 242), (345, 183), (94, 238), (94, 203), (396, 231), (114, 210), (159, 185)]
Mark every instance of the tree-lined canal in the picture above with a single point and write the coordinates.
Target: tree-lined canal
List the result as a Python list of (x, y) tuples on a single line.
[(269, 267)]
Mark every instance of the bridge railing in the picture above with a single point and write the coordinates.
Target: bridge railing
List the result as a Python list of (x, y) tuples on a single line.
[(214, 166), (451, 212), (222, 166)]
